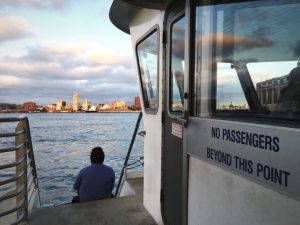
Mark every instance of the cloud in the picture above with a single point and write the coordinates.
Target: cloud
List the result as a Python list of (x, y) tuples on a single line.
[(178, 41), (51, 73), (38, 4), (13, 28), (149, 45), (232, 42), (12, 81), (106, 58)]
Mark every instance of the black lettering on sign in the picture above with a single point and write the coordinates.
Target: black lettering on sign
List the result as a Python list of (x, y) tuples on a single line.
[(260, 141), (272, 174), (245, 165), (219, 156), (215, 132)]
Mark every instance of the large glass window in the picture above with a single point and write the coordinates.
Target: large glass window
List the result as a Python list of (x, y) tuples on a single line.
[(147, 53), (249, 52), (177, 66)]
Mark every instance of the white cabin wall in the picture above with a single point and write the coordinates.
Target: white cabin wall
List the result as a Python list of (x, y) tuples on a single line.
[(217, 197), (140, 23)]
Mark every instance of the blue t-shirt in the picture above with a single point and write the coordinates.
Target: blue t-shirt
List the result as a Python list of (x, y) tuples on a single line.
[(95, 182)]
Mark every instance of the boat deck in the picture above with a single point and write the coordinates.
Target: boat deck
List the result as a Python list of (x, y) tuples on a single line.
[(122, 210)]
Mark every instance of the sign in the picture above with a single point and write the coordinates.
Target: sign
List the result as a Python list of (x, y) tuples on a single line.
[(266, 154), (177, 130)]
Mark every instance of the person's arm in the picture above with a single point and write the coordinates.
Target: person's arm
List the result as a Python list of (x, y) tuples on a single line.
[(112, 183), (77, 183)]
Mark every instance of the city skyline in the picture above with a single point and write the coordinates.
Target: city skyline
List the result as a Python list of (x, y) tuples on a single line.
[(81, 101), (75, 106), (54, 48)]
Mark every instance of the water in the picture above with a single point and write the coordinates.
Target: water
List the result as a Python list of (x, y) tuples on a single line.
[(62, 144)]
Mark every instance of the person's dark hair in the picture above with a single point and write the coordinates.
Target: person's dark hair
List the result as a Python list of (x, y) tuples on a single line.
[(97, 155)]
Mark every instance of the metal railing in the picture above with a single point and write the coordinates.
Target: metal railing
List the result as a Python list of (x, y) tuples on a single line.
[(19, 198), (139, 162)]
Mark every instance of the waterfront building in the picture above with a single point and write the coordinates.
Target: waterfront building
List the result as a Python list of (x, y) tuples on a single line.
[(29, 106), (86, 105), (268, 91), (69, 108), (52, 106), (137, 103), (61, 104), (76, 102), (104, 107), (120, 104), (7, 107), (93, 108)]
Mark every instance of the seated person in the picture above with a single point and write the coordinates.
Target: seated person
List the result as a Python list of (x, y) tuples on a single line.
[(96, 181)]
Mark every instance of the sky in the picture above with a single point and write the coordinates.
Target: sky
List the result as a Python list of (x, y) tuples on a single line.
[(51, 49)]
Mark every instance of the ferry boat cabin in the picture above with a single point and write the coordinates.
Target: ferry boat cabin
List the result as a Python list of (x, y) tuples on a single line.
[(220, 89)]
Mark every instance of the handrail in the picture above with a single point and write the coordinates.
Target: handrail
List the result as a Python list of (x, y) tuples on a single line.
[(12, 134), (26, 175), (13, 119), (137, 125), (13, 179), (31, 155), (13, 209), (8, 196), (11, 149), (16, 163)]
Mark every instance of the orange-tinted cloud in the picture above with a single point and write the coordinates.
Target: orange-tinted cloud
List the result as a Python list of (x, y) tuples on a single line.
[(13, 28), (104, 58), (54, 72), (39, 4)]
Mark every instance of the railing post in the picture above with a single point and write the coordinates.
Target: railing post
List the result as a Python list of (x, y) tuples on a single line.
[(137, 125), (22, 138)]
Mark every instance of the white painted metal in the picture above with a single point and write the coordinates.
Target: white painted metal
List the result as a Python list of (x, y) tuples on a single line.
[(218, 197), (141, 22), (215, 196)]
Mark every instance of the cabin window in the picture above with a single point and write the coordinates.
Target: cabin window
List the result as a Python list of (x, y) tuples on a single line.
[(248, 53), (177, 66), (147, 54)]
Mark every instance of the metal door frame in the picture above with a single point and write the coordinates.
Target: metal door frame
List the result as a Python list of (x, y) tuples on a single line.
[(173, 13)]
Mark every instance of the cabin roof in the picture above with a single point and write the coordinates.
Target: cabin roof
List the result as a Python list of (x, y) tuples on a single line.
[(119, 10)]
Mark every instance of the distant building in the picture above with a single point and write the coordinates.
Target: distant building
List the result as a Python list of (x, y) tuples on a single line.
[(118, 105), (61, 104), (76, 102), (137, 103), (69, 108), (86, 105), (104, 107), (52, 106), (268, 91), (29, 106), (93, 108), (7, 107)]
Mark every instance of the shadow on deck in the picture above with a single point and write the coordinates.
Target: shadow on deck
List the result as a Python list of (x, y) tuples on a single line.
[(122, 210)]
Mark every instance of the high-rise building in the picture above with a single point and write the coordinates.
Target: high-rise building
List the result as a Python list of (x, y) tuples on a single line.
[(76, 102), (61, 104), (137, 102), (86, 105)]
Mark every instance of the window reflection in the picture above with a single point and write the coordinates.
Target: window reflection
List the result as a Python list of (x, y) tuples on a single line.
[(252, 51), (147, 52), (177, 65)]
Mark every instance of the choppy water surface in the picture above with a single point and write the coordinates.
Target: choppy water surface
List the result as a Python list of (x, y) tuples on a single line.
[(62, 144)]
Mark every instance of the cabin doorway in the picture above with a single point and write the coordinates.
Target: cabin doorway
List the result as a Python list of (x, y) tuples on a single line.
[(173, 185)]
